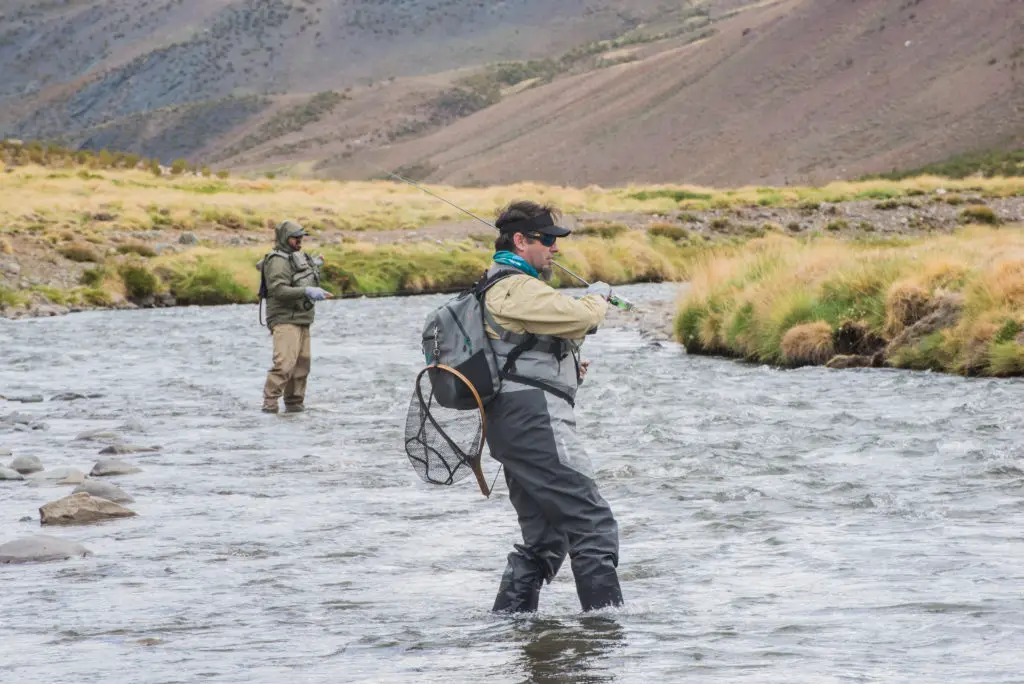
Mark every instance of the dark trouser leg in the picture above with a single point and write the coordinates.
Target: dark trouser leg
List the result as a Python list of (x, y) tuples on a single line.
[(537, 559), (534, 435)]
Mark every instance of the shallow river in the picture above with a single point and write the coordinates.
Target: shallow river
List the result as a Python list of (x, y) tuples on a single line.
[(776, 526)]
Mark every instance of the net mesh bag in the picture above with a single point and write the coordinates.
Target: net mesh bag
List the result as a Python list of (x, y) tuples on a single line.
[(443, 444)]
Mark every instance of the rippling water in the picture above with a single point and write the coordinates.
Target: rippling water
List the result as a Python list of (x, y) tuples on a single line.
[(777, 526)]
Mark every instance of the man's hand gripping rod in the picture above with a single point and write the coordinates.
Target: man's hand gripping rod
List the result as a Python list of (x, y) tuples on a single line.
[(614, 300)]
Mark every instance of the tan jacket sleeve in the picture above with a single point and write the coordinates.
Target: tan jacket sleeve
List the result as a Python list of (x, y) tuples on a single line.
[(528, 305)]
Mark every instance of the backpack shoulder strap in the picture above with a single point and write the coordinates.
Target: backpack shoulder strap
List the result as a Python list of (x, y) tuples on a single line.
[(486, 282)]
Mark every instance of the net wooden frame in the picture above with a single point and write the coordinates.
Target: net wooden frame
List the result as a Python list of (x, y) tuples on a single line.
[(474, 460)]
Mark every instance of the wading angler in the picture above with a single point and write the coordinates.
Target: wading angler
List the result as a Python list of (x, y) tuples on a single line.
[(290, 282)]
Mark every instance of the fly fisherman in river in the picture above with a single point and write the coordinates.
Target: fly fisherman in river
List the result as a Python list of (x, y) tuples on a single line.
[(290, 283), (531, 428)]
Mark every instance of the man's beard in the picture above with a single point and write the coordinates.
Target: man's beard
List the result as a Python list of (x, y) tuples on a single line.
[(546, 273)]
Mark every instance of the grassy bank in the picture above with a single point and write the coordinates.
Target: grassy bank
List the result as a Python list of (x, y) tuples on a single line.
[(89, 235), (952, 303), (84, 204), (206, 276)]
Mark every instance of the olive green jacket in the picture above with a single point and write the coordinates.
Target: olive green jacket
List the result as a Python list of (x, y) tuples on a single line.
[(287, 274)]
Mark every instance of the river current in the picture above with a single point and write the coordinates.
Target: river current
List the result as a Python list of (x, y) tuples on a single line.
[(776, 525)]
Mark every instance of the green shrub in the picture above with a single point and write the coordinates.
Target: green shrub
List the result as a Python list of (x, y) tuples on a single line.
[(668, 230), (677, 195), (10, 298), (80, 253), (91, 277), (139, 281), (136, 248), (602, 230), (204, 283), (95, 296), (977, 214)]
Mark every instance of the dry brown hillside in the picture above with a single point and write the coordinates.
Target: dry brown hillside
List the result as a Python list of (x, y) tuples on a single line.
[(791, 91), (72, 65), (722, 92)]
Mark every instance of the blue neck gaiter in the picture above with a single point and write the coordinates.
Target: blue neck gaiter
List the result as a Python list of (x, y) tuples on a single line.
[(506, 258)]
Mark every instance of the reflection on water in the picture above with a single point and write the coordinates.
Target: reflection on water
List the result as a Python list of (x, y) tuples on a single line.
[(581, 650), (776, 526)]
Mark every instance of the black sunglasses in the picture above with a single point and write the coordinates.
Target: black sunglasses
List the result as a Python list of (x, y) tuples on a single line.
[(546, 240)]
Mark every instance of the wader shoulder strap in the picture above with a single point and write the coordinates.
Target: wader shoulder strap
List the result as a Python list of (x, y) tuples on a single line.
[(541, 386)]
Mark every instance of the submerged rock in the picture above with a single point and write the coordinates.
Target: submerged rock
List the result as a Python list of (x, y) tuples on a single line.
[(133, 425), (104, 490), (842, 361), (72, 475), (26, 464), (8, 474), (128, 449), (81, 509), (99, 433), (73, 396), (27, 399), (40, 548), (16, 418), (113, 466)]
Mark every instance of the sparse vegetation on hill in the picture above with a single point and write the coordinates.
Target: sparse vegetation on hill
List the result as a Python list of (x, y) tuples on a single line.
[(988, 163), (287, 120)]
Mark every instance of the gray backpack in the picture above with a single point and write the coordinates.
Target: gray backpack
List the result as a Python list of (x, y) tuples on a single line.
[(454, 335)]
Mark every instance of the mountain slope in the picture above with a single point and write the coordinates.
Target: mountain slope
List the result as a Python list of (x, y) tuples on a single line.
[(82, 63), (706, 91), (799, 90)]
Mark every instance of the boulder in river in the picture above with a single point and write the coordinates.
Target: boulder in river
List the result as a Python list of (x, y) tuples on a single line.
[(80, 509), (104, 490), (26, 464), (113, 466), (40, 548)]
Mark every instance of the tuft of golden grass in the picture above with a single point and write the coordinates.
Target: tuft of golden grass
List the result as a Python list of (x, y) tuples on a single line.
[(906, 302), (772, 300), (808, 344)]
